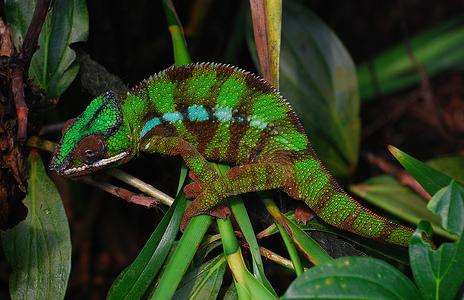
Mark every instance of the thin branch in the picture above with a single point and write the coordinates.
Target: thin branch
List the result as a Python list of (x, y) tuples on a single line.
[(6, 44), (142, 186), (49, 146), (277, 258), (403, 177), (28, 48), (30, 43), (124, 194)]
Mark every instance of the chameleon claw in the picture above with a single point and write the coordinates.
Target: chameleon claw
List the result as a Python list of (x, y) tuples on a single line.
[(303, 214), (222, 212), (192, 175), (192, 190)]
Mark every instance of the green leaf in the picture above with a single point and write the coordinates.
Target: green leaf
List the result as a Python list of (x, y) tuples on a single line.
[(135, 280), (448, 203), (352, 278), (438, 49), (388, 194), (306, 244), (53, 66), (231, 293), (39, 248), (241, 216), (203, 282), (318, 77), (430, 179), (182, 256), (451, 165), (438, 273)]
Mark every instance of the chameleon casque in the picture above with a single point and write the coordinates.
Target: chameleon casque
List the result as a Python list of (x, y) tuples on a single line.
[(214, 112)]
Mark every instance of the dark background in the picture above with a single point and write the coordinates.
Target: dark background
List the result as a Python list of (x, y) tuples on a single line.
[(130, 38)]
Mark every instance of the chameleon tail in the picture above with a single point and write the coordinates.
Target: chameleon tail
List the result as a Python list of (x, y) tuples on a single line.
[(322, 194)]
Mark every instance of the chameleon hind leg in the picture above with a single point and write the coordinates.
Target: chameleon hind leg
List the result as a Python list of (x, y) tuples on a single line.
[(258, 176), (213, 187)]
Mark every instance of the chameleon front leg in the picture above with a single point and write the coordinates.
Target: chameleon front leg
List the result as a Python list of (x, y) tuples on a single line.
[(209, 188), (213, 186)]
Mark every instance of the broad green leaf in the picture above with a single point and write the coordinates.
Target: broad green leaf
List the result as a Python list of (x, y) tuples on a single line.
[(318, 77), (385, 192), (203, 282), (438, 273), (448, 203), (39, 248), (53, 66), (430, 179), (352, 278), (135, 280), (451, 165), (438, 49)]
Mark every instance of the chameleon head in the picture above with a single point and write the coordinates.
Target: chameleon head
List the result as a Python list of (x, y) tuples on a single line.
[(98, 138)]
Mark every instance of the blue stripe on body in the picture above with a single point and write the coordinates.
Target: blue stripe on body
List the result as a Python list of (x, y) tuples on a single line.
[(149, 125), (257, 123), (197, 113), (223, 114), (200, 114), (172, 117)]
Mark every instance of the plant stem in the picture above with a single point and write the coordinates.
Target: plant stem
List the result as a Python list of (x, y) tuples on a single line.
[(182, 256), (276, 214), (237, 265)]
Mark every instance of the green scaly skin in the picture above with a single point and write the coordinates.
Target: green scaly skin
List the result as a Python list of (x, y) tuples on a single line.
[(213, 112)]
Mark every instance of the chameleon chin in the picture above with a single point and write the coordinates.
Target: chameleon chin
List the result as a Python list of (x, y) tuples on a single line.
[(214, 112)]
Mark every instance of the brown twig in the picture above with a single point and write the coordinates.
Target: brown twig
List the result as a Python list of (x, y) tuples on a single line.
[(402, 176), (129, 196), (258, 16), (6, 44), (124, 194), (28, 48), (30, 43)]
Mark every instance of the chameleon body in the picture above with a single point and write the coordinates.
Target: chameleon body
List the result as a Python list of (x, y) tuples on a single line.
[(213, 112)]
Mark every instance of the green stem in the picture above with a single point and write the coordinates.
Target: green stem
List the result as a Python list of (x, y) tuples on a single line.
[(236, 263), (181, 55), (182, 256), (276, 214)]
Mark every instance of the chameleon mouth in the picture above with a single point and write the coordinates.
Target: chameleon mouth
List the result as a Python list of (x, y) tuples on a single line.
[(98, 164)]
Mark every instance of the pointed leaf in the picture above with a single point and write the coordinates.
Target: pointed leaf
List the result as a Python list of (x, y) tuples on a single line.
[(451, 165), (431, 180), (352, 278), (385, 192), (53, 66), (203, 282), (438, 49), (448, 203), (318, 77), (438, 273), (135, 280), (39, 248)]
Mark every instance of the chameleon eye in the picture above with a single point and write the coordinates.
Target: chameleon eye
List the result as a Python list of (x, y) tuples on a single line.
[(90, 153)]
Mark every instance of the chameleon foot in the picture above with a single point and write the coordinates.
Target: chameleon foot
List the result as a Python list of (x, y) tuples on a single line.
[(303, 214), (221, 211)]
